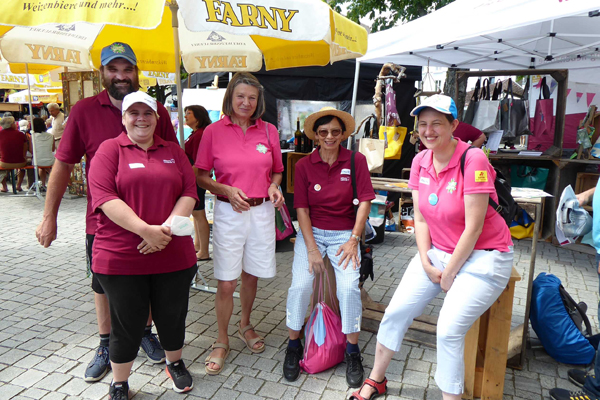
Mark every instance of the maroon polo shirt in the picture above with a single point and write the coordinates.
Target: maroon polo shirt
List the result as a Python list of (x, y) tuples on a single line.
[(11, 146), (192, 143), (150, 182), (327, 190), (92, 121), (465, 132)]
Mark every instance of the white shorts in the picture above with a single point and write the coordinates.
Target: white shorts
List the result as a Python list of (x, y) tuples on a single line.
[(244, 241)]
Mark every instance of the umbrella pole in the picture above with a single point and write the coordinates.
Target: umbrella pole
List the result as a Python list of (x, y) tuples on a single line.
[(175, 24), (35, 169), (354, 96)]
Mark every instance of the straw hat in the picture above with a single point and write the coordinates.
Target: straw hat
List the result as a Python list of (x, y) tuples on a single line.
[(309, 123)]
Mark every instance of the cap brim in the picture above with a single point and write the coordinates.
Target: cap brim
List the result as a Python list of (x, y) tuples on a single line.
[(115, 56), (415, 112), (344, 116)]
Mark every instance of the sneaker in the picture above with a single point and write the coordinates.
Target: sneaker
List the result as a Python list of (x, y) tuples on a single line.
[(99, 366), (563, 394), (354, 369), (153, 349), (182, 380), (118, 391), (291, 364), (577, 376)]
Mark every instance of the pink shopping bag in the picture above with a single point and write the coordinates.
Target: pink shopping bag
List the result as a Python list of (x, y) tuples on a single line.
[(325, 343)]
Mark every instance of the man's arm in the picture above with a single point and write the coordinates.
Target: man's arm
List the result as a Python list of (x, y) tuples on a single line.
[(479, 141), (59, 179)]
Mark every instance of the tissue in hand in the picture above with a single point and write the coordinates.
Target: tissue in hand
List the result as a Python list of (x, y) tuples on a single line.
[(181, 226)]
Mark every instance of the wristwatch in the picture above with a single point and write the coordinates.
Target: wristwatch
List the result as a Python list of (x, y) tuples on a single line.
[(356, 237)]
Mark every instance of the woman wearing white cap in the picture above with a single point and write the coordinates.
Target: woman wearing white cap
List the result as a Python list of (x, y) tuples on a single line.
[(144, 190), (468, 255)]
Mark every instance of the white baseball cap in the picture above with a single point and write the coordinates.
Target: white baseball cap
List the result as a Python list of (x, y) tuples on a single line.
[(138, 97), (438, 102)]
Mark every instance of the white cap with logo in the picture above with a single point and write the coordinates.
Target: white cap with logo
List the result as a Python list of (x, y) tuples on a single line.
[(138, 97)]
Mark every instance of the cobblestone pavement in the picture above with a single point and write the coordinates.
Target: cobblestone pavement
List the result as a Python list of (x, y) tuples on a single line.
[(48, 325)]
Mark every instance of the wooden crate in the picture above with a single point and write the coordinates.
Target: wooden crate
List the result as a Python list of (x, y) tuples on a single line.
[(585, 181), (292, 159)]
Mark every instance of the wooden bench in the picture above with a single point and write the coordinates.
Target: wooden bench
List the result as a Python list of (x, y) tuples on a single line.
[(13, 175), (486, 343)]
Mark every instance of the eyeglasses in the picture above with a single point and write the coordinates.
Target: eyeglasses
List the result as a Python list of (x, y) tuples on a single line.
[(324, 132)]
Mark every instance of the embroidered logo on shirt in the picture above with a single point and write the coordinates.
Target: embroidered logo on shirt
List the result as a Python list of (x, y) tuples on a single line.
[(481, 176), (346, 171), (171, 161), (424, 181), (261, 148), (136, 165), (451, 186), (344, 179)]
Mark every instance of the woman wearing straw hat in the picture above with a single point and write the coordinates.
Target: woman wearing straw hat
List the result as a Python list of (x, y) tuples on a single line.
[(329, 224)]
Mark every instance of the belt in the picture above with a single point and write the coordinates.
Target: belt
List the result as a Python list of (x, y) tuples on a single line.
[(253, 202)]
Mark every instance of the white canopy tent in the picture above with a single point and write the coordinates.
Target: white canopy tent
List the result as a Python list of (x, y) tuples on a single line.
[(499, 34)]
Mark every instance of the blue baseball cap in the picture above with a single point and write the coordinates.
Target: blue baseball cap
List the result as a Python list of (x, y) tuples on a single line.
[(438, 102), (117, 50)]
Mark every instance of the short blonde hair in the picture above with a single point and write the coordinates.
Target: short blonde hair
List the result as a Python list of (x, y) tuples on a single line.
[(247, 79)]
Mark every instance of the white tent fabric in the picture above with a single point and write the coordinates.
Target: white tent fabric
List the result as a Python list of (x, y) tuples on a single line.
[(498, 34)]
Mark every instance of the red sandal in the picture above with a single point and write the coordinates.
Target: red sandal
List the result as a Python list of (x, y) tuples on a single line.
[(380, 389)]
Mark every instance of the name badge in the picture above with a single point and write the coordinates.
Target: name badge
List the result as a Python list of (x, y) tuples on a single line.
[(424, 181), (346, 171), (136, 165)]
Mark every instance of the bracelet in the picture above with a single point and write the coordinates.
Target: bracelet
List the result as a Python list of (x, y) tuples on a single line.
[(355, 237), (315, 249)]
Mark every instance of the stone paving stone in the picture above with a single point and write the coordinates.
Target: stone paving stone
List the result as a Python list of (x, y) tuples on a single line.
[(48, 324)]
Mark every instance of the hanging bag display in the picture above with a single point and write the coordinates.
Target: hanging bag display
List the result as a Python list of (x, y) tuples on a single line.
[(522, 226), (487, 116), (325, 342), (473, 104), (373, 149), (514, 113), (543, 121), (393, 136)]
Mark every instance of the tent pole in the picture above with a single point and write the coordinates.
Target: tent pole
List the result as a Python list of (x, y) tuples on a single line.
[(35, 169), (175, 24), (354, 96)]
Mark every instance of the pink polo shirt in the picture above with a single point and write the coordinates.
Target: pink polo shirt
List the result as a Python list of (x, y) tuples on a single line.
[(327, 190), (150, 182), (92, 121), (245, 161), (442, 203)]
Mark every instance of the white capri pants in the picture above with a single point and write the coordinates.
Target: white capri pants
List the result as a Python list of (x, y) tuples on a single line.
[(477, 285), (244, 241), (347, 292)]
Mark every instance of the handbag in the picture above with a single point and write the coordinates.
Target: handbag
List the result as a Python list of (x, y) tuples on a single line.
[(393, 136), (487, 116), (522, 226), (473, 104), (542, 128), (325, 342), (529, 177), (514, 114), (373, 149), (283, 222)]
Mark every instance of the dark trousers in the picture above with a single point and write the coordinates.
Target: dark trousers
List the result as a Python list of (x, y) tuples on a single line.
[(130, 298), (592, 385)]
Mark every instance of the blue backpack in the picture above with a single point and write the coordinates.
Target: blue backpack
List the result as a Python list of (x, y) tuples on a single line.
[(555, 317)]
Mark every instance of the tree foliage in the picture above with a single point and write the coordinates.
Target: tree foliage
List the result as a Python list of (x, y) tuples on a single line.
[(387, 13)]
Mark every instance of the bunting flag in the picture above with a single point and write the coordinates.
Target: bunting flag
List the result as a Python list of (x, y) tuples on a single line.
[(553, 85), (590, 98), (579, 96), (568, 92)]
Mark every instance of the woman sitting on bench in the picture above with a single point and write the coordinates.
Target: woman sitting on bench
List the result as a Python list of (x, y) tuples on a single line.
[(464, 249), (13, 147)]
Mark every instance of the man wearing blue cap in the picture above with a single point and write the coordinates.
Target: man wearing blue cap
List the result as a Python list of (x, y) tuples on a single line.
[(92, 121)]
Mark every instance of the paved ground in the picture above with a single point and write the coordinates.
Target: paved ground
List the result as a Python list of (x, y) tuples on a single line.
[(48, 325)]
